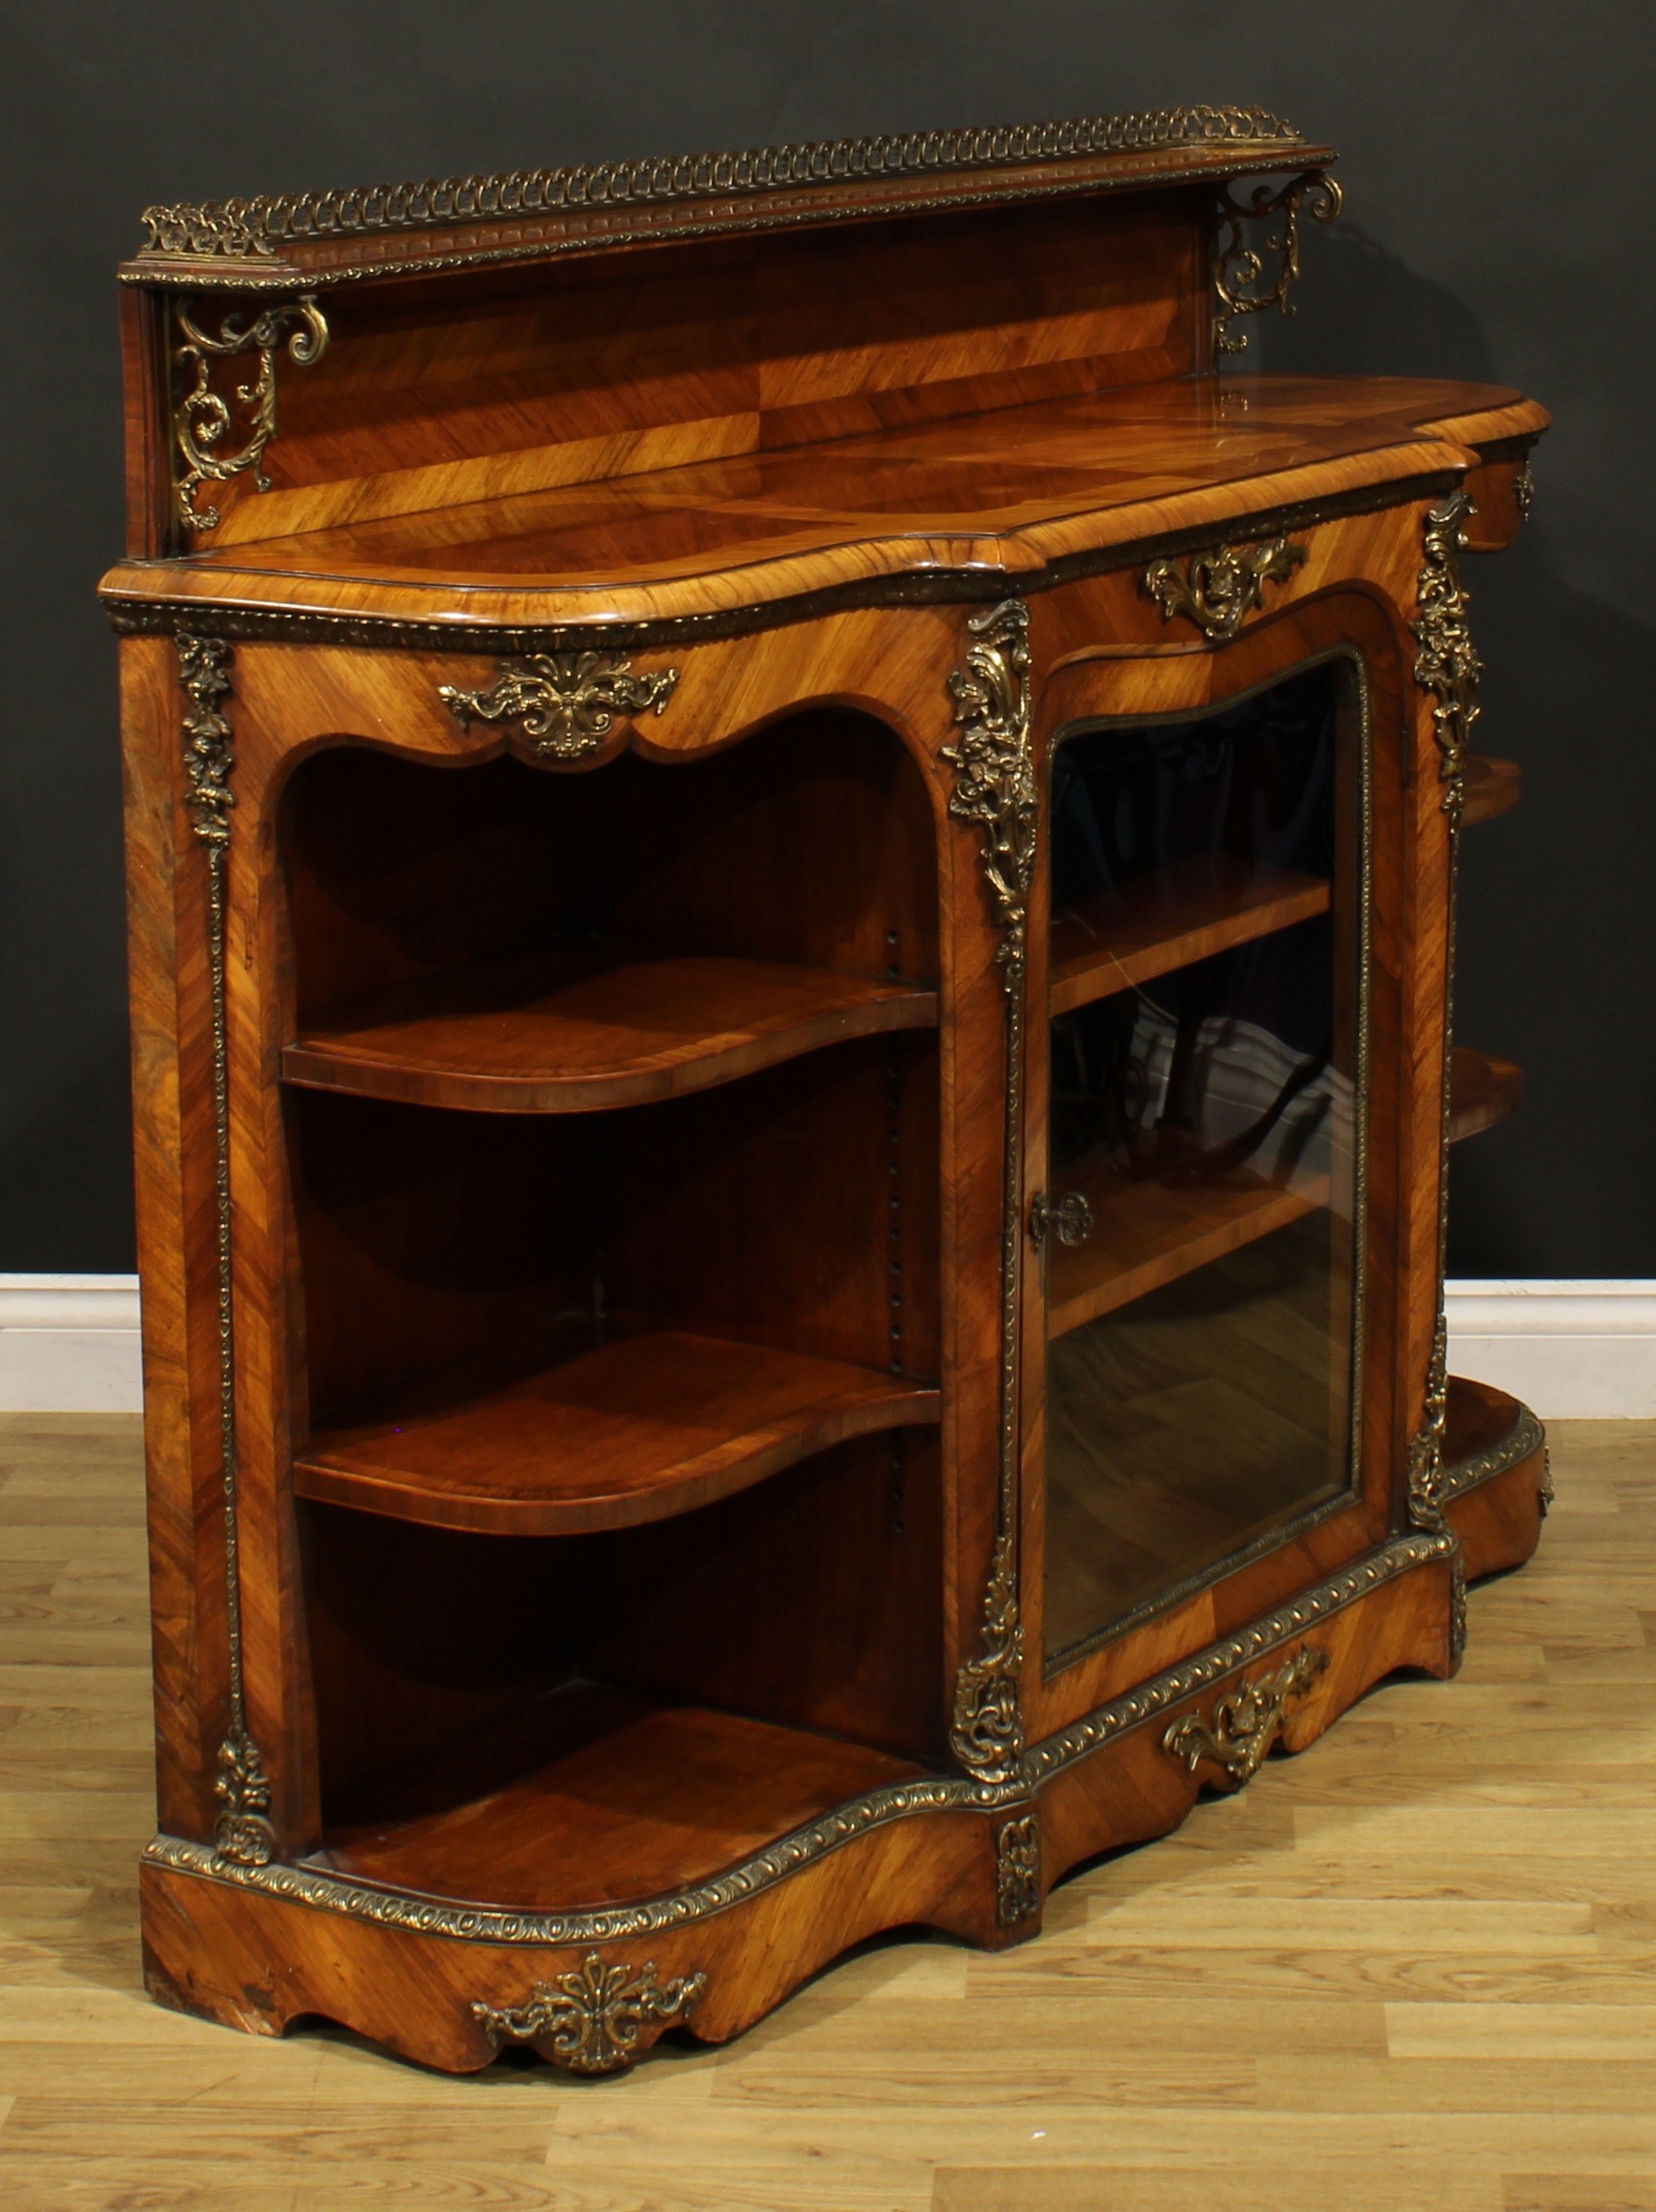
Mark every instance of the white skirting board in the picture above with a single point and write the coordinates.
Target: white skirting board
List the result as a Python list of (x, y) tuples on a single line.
[(69, 1344), (1573, 1351)]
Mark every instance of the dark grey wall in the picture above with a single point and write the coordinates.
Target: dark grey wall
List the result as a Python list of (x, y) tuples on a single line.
[(1498, 166)]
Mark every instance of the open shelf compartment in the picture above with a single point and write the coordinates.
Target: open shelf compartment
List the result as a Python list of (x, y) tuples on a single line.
[(602, 1797)]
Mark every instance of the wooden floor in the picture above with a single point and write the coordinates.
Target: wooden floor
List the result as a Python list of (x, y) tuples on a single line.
[(1412, 1971)]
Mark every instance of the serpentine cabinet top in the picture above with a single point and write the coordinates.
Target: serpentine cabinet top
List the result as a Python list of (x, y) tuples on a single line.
[(720, 389)]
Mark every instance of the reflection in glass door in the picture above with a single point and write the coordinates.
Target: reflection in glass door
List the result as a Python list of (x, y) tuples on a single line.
[(1204, 1199)]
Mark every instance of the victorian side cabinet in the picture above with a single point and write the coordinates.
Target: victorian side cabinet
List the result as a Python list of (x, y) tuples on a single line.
[(792, 877)]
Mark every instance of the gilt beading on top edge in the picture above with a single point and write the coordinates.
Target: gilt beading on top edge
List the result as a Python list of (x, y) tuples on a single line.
[(137, 617), (254, 229)]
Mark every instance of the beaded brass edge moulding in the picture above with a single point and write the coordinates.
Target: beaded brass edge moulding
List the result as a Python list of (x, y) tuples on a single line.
[(1218, 588), (134, 617), (1526, 1437), (307, 1885)]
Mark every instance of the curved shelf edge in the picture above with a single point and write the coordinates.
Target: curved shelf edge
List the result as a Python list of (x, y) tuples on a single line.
[(1496, 1483), (640, 1430), (623, 1036), (1482, 1089), (1493, 788), (1486, 1431)]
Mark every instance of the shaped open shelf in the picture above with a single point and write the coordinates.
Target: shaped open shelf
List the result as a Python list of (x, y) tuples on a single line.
[(598, 1797), (530, 1037), (1478, 1418), (1146, 1233), (1482, 1090), (636, 1429), (1166, 921), (1493, 787)]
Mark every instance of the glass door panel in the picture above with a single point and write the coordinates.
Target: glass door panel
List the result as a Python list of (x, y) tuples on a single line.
[(1205, 1132)]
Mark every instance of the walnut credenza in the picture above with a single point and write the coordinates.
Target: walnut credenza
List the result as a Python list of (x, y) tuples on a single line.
[(792, 882)]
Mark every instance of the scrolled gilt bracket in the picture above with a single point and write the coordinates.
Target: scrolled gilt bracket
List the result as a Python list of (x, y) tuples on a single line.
[(1246, 1724), (203, 425), (1219, 590), (564, 702), (1239, 269), (594, 2020)]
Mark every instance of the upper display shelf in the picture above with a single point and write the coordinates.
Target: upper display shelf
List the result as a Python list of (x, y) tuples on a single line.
[(314, 239), (706, 387)]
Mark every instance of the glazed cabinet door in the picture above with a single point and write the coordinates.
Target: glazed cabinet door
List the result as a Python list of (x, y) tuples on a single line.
[(1198, 1217)]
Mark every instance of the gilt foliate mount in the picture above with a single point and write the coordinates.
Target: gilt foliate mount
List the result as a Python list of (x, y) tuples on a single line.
[(1448, 665), (994, 770), (1247, 1722), (597, 2018), (564, 704), (243, 1833), (1217, 590)]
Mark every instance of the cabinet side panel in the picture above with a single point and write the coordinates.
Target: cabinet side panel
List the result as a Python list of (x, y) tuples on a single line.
[(143, 320), (172, 1124)]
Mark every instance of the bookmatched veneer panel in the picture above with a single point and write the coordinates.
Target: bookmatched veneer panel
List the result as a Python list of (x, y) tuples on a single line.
[(1146, 1233), (615, 1798), (1482, 1090), (1148, 928), (1493, 787), (631, 1431), (498, 1039)]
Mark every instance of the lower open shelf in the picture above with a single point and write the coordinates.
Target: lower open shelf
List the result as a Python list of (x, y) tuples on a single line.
[(610, 1796), (637, 1428), (1478, 1418)]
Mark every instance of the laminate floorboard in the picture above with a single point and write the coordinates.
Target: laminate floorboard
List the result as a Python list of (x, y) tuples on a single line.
[(1412, 1970)]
